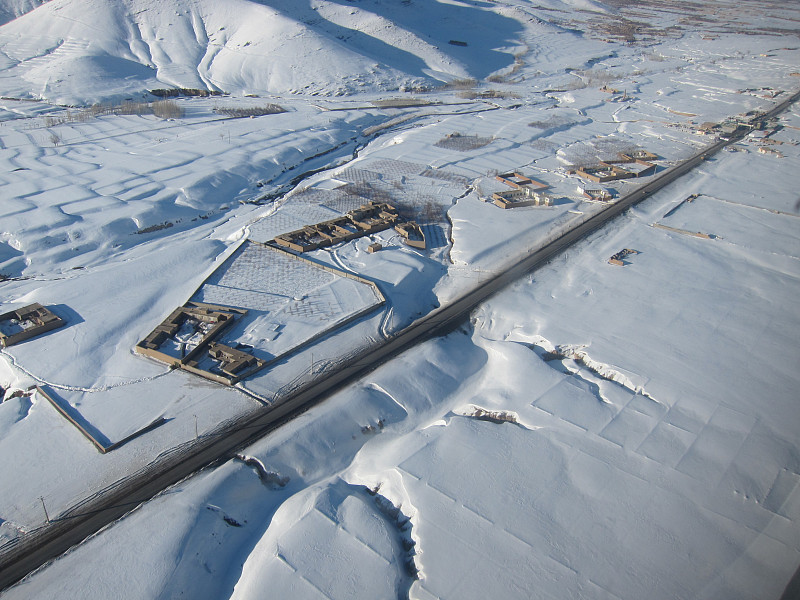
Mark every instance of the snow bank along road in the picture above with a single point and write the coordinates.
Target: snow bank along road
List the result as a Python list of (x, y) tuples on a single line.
[(37, 548)]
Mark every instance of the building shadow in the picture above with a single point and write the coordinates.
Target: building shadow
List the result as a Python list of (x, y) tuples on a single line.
[(69, 315)]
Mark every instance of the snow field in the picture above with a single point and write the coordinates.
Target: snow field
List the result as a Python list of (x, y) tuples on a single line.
[(657, 458)]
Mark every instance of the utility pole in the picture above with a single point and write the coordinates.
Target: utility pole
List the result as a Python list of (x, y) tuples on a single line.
[(46, 516), (195, 426)]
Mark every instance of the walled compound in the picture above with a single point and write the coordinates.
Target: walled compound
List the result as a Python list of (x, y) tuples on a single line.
[(597, 195), (22, 324), (228, 330), (188, 333), (637, 164), (369, 218), (526, 192), (412, 234)]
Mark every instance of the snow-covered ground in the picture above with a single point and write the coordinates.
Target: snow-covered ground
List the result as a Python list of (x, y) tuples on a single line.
[(596, 431), (81, 52)]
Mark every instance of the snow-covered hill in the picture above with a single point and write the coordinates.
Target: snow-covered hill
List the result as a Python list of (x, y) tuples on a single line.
[(78, 51), (11, 9)]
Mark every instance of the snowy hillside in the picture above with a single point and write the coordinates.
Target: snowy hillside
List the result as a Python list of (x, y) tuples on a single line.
[(79, 51), (11, 9)]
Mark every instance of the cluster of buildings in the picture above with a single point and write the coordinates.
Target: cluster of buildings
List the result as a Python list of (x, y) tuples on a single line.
[(771, 151), (30, 321), (759, 130), (762, 135), (525, 191), (723, 130), (752, 119), (189, 338), (186, 340), (369, 218), (638, 163), (763, 92)]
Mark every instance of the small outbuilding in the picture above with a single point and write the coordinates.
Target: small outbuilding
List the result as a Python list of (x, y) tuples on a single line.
[(598, 195), (412, 234)]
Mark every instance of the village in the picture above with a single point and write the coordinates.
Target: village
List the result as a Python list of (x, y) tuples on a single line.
[(398, 299), (208, 352), (206, 336), (278, 293)]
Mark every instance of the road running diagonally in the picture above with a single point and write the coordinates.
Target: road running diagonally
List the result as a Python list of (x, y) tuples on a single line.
[(35, 549)]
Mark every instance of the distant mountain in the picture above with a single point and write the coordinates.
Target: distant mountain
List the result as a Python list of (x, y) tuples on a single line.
[(67, 50), (11, 9), (78, 51)]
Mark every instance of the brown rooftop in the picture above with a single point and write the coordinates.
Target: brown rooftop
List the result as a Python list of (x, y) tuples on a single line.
[(207, 320), (25, 323), (516, 180), (412, 234), (368, 218)]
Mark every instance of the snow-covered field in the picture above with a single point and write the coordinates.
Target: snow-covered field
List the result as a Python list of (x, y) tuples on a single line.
[(595, 432)]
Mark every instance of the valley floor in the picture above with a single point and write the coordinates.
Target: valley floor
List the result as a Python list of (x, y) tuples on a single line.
[(595, 431)]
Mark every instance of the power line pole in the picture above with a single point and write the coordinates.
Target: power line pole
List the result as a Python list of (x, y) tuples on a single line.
[(46, 516)]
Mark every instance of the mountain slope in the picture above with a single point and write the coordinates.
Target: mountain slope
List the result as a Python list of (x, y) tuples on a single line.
[(11, 9), (82, 50)]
